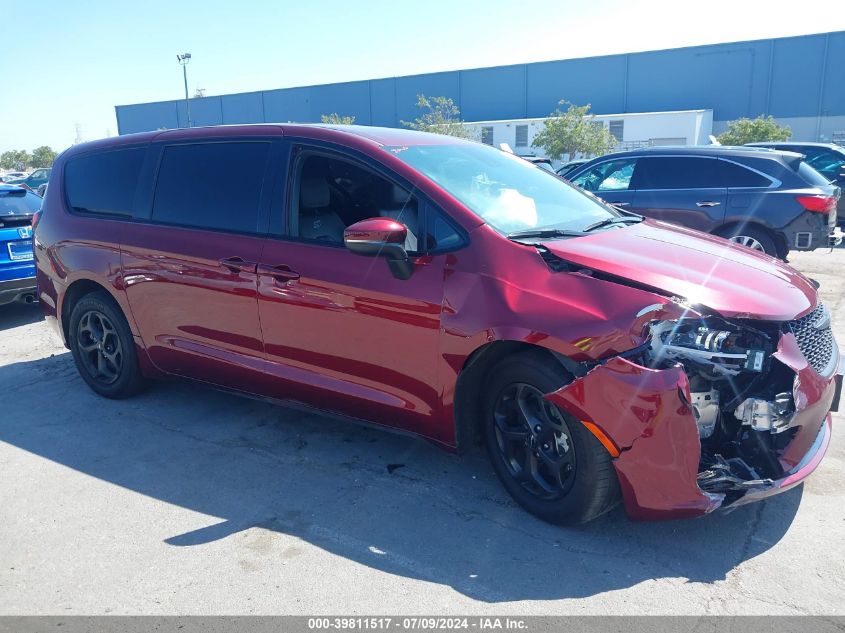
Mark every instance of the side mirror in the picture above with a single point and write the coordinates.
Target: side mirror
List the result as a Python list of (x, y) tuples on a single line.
[(381, 237)]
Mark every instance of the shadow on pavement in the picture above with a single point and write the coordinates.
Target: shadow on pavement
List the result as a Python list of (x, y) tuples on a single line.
[(18, 314), (431, 516)]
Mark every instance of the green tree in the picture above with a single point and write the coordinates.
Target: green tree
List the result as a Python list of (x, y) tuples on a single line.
[(763, 128), (336, 119), (17, 159), (573, 132), (43, 156), (442, 116)]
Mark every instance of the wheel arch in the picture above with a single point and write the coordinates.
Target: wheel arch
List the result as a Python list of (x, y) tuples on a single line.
[(724, 230), (472, 377), (74, 292)]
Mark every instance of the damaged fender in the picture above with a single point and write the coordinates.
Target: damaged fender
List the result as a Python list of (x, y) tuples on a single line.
[(646, 414)]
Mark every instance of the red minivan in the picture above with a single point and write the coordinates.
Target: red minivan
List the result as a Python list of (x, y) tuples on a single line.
[(450, 290)]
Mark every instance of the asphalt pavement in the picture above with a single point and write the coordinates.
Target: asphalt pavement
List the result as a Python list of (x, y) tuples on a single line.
[(187, 500)]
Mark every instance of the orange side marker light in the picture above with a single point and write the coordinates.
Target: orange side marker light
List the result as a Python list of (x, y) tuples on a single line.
[(601, 437)]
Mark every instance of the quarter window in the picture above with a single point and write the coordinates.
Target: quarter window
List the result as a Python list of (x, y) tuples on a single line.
[(104, 182), (211, 185), (441, 235)]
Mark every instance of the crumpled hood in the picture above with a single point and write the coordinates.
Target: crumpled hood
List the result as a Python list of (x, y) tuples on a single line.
[(705, 270)]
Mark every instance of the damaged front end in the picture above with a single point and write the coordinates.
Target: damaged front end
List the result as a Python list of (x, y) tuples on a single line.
[(710, 412)]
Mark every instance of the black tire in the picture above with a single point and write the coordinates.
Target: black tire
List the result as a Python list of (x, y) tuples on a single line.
[(103, 347), (752, 237), (588, 489)]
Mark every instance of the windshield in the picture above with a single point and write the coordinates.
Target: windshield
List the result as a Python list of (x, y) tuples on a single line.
[(507, 192), (828, 163)]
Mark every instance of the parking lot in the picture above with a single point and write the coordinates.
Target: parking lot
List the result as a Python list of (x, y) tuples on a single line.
[(191, 501)]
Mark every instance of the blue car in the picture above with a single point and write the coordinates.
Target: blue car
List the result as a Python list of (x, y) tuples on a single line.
[(17, 270)]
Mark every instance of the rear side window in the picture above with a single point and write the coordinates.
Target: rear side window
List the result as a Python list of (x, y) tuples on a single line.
[(104, 182), (211, 185), (733, 175), (677, 172)]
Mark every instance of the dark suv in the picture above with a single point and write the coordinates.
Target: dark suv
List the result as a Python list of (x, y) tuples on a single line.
[(768, 200), (826, 158)]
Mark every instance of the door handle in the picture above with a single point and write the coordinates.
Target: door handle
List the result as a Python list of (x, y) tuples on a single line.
[(281, 273), (238, 265), (707, 203), (621, 204)]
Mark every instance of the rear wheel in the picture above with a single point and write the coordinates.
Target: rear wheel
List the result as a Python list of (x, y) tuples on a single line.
[(547, 460), (103, 347), (752, 237)]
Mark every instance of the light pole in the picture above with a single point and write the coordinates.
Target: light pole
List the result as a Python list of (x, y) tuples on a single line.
[(183, 59)]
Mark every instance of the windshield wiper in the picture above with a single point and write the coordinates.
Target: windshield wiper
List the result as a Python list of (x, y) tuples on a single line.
[(543, 233), (627, 219)]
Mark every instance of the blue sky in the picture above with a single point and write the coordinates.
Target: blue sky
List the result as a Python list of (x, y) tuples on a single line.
[(70, 63)]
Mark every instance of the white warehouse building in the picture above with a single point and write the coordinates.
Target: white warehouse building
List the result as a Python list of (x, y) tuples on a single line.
[(632, 130)]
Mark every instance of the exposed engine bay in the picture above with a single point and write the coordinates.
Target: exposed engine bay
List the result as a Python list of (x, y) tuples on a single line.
[(703, 410), (740, 395)]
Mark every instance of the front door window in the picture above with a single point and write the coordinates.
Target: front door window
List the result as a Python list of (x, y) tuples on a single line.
[(341, 332), (333, 193)]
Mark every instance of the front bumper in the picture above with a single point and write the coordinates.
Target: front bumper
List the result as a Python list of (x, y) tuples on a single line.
[(646, 414), (22, 290), (800, 472)]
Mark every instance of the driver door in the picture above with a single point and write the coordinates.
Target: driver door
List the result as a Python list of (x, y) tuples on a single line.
[(341, 332)]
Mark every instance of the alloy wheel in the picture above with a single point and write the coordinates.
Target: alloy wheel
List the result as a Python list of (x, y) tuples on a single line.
[(534, 441), (748, 242), (99, 347)]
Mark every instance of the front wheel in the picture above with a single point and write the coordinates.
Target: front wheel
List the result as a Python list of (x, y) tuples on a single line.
[(546, 459), (103, 347)]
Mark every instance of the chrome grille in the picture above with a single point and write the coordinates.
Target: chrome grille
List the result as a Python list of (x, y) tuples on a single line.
[(816, 344)]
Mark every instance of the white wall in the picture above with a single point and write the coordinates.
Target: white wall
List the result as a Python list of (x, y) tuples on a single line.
[(807, 128), (690, 127)]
